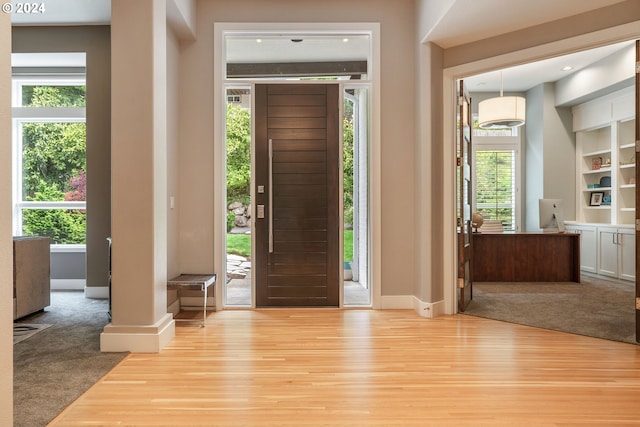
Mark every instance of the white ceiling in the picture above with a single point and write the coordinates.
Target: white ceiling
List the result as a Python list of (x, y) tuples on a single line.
[(524, 77), (465, 21)]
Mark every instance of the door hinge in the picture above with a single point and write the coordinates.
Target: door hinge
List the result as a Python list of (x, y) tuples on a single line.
[(458, 161), (459, 222), (638, 67), (461, 283), (637, 303), (460, 100), (637, 224)]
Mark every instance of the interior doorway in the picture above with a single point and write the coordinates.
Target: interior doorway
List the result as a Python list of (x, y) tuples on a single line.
[(616, 213), (451, 76)]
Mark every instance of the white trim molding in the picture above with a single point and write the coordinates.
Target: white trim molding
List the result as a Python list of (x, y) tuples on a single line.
[(411, 302), (429, 309), (68, 284), (138, 339), (97, 292)]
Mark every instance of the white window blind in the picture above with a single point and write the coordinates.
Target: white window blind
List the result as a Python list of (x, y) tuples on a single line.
[(496, 187)]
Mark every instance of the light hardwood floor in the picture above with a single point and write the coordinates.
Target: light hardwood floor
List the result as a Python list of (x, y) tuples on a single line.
[(328, 367)]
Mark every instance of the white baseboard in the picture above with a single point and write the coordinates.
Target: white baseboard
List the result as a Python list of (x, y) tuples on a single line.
[(97, 292), (68, 284), (138, 339), (428, 309), (411, 302)]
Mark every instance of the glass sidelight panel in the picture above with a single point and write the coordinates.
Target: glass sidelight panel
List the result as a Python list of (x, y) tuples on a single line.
[(357, 291), (238, 163)]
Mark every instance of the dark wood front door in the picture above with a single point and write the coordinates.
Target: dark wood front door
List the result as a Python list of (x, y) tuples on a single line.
[(297, 195)]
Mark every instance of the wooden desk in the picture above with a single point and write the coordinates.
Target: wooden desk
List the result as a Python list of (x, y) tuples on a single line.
[(526, 257), (197, 282)]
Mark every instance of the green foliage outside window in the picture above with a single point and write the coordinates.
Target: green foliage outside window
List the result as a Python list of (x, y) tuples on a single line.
[(53, 165), (53, 96), (61, 226), (495, 186), (348, 169), (238, 153)]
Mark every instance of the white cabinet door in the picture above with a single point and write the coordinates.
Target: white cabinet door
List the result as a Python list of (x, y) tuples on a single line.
[(588, 249), (627, 254), (608, 251), (588, 246)]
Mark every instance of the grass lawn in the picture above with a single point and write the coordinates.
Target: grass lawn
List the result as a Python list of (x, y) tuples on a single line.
[(240, 244)]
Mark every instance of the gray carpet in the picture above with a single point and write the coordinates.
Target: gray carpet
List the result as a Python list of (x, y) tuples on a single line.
[(595, 307), (23, 331), (55, 366)]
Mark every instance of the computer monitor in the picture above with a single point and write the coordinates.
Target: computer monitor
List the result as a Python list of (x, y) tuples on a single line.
[(552, 215)]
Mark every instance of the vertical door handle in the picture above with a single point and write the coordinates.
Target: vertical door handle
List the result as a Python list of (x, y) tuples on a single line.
[(270, 195)]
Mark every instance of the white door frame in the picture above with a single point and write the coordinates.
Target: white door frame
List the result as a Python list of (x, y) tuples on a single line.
[(375, 206), (451, 75)]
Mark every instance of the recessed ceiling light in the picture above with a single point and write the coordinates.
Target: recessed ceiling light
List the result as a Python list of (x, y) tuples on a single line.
[(296, 40), (345, 40), (567, 68), (258, 40)]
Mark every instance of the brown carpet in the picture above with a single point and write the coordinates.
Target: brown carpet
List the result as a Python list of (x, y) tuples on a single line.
[(596, 308)]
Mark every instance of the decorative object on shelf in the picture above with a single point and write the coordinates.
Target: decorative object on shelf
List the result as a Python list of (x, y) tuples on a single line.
[(605, 181), (596, 163), (596, 198), (501, 112), (606, 200), (476, 221), (593, 185)]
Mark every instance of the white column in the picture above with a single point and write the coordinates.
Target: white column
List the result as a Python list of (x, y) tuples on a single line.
[(140, 321)]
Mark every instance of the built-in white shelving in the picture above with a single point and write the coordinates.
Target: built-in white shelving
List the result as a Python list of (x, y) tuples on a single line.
[(606, 159)]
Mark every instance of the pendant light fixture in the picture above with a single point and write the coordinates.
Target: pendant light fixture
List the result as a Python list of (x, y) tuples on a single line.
[(501, 112)]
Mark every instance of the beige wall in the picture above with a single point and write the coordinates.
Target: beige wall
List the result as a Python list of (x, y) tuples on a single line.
[(197, 202), (6, 245)]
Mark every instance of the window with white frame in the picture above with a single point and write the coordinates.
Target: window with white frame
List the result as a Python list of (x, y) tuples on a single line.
[(496, 161), (49, 158)]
